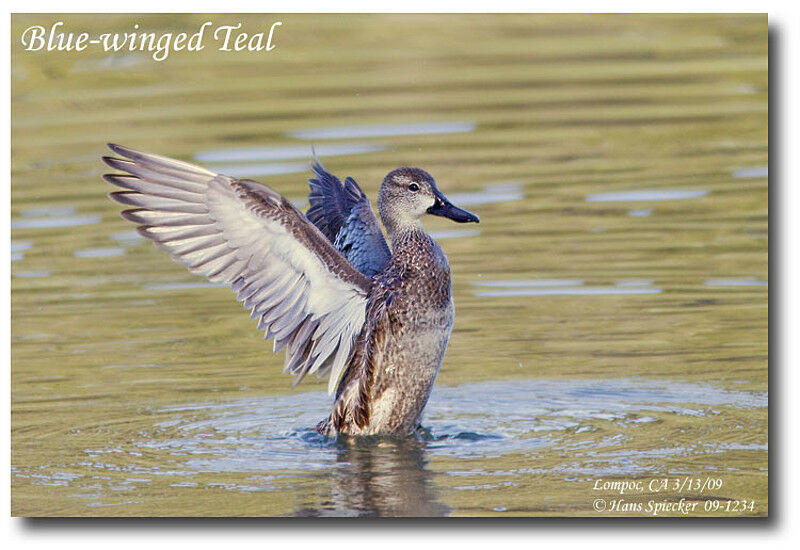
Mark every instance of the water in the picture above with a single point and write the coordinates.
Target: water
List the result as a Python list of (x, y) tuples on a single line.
[(611, 305), (99, 252), (127, 238), (647, 195), (454, 233), (243, 446), (595, 291), (48, 222), (489, 194), (530, 283), (49, 211), (181, 286), (561, 287), (17, 250), (384, 130), (259, 169), (754, 172), (31, 274), (241, 434), (735, 282), (253, 154)]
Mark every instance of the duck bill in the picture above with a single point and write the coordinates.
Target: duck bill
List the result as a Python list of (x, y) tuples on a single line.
[(446, 209)]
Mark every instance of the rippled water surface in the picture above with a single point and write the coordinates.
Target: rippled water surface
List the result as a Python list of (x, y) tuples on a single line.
[(611, 305)]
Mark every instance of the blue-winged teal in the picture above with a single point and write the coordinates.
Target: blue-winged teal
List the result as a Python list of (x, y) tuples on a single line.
[(326, 286)]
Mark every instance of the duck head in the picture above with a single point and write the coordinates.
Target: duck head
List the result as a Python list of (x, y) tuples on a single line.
[(409, 193)]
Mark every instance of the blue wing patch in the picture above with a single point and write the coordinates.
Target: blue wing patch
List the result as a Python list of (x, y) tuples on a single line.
[(344, 215)]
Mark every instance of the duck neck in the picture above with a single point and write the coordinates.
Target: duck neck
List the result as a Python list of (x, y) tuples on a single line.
[(399, 231)]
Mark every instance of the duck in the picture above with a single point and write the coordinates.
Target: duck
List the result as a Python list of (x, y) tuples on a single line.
[(371, 315)]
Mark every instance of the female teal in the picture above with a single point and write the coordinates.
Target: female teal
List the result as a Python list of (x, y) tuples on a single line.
[(373, 317)]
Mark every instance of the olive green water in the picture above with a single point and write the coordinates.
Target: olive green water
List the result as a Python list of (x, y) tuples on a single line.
[(598, 336)]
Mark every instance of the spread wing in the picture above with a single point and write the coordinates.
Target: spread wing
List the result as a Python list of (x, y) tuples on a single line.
[(343, 213), (301, 290)]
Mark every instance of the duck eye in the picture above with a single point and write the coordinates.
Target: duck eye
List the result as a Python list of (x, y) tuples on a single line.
[(413, 187)]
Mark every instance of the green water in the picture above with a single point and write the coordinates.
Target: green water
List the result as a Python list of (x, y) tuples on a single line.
[(597, 336)]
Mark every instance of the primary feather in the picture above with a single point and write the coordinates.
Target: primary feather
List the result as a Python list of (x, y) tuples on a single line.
[(298, 286)]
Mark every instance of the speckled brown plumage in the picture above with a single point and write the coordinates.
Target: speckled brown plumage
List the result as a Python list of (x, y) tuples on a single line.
[(408, 321), (409, 318)]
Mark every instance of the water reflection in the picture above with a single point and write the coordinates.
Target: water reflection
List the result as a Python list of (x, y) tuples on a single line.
[(99, 252), (109, 62), (647, 195), (49, 211), (561, 287), (754, 172), (567, 291), (261, 169), (530, 283), (454, 233), (736, 282), (127, 238), (18, 248), (183, 286), (508, 192), (32, 274), (50, 222), (635, 282), (384, 130), (286, 152), (387, 478)]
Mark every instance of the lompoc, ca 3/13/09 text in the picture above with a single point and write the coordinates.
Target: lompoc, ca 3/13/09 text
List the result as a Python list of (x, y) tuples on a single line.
[(226, 38), (678, 485)]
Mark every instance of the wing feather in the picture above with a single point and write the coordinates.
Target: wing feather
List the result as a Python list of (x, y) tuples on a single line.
[(134, 183), (298, 286), (344, 215), (150, 217)]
